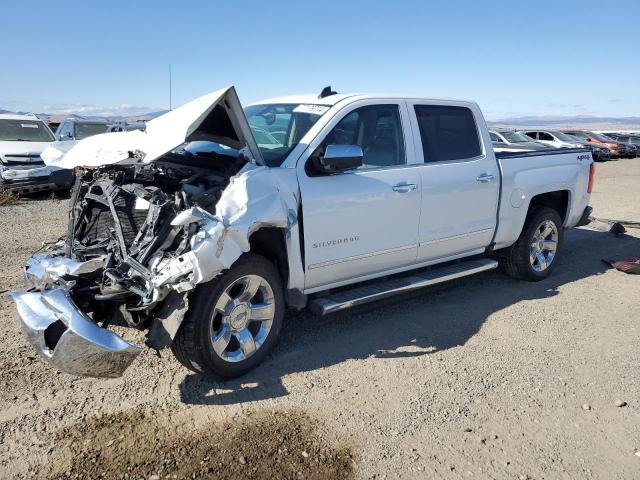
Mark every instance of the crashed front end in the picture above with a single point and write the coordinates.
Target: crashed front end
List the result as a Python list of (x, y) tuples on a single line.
[(143, 232)]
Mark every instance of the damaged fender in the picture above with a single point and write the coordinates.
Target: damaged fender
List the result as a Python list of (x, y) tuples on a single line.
[(255, 198)]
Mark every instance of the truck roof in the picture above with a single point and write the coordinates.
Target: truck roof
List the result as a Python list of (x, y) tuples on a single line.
[(338, 97), (18, 116)]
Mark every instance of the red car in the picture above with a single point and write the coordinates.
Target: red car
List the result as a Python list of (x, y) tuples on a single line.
[(618, 149)]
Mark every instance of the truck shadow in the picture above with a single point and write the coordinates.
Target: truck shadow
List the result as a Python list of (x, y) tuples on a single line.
[(430, 320)]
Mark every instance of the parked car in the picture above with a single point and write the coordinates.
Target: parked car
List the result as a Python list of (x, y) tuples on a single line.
[(634, 150), (22, 140), (553, 138), (618, 149), (79, 129), (208, 255), (629, 140), (512, 137), (600, 153)]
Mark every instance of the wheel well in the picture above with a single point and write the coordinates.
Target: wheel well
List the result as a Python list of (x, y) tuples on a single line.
[(270, 243), (559, 201)]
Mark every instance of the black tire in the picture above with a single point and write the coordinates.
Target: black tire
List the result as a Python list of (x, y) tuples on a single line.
[(516, 260), (193, 346)]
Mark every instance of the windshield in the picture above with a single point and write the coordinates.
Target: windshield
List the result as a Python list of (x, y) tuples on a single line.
[(278, 128), (575, 138), (600, 137), (562, 136), (25, 131), (84, 130), (515, 137)]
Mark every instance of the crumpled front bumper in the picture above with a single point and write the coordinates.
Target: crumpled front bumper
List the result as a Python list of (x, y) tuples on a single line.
[(61, 332)]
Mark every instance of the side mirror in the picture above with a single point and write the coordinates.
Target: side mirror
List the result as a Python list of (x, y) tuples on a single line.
[(338, 158)]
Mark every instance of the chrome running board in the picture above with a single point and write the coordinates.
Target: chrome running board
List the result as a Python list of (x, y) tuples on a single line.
[(377, 290)]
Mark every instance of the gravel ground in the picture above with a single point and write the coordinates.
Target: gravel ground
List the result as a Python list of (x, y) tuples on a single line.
[(485, 377)]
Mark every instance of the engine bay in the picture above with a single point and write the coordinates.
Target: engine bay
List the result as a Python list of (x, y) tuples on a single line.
[(126, 219)]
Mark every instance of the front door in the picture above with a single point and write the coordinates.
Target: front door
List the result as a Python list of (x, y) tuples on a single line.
[(364, 221)]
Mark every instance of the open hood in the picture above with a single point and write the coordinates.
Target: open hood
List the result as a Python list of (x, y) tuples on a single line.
[(217, 117)]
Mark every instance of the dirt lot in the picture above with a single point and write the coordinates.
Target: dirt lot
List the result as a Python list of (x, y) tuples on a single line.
[(482, 378)]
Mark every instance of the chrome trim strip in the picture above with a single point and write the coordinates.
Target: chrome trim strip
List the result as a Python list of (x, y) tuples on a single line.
[(359, 257), (370, 293), (462, 235)]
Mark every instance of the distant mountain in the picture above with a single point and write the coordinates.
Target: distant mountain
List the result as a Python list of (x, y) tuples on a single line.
[(560, 121), (111, 118)]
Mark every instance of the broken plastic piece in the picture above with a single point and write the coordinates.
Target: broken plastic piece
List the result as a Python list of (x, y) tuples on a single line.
[(628, 265)]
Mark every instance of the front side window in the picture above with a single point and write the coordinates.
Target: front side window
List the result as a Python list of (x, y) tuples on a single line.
[(377, 129), (447, 133), (66, 131), (84, 130), (24, 131), (545, 136), (515, 137), (494, 137), (563, 137)]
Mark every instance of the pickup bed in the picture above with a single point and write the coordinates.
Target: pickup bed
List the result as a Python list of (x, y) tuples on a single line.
[(207, 226)]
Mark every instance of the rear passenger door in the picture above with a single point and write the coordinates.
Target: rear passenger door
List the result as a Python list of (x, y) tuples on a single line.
[(460, 180)]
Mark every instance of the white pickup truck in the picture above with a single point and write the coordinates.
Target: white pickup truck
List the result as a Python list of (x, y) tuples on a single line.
[(207, 226)]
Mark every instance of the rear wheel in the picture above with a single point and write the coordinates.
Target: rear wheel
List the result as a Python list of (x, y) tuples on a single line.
[(534, 255), (233, 321)]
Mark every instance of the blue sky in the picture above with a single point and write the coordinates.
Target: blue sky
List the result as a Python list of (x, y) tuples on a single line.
[(514, 58)]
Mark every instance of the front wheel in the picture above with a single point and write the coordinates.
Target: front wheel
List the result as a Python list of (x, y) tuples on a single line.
[(233, 321), (534, 255)]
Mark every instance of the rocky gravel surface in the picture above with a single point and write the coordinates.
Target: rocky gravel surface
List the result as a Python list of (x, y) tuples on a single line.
[(485, 377)]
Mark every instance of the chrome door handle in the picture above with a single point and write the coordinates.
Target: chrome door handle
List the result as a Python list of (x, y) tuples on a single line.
[(485, 177), (404, 187)]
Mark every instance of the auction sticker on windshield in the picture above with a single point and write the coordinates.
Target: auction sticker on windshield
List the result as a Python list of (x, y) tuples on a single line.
[(310, 108)]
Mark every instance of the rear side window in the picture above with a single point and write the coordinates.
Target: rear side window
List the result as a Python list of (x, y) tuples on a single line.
[(447, 133), (545, 136)]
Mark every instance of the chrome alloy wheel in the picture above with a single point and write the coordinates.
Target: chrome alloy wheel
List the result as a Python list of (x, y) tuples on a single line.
[(243, 316), (543, 246)]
